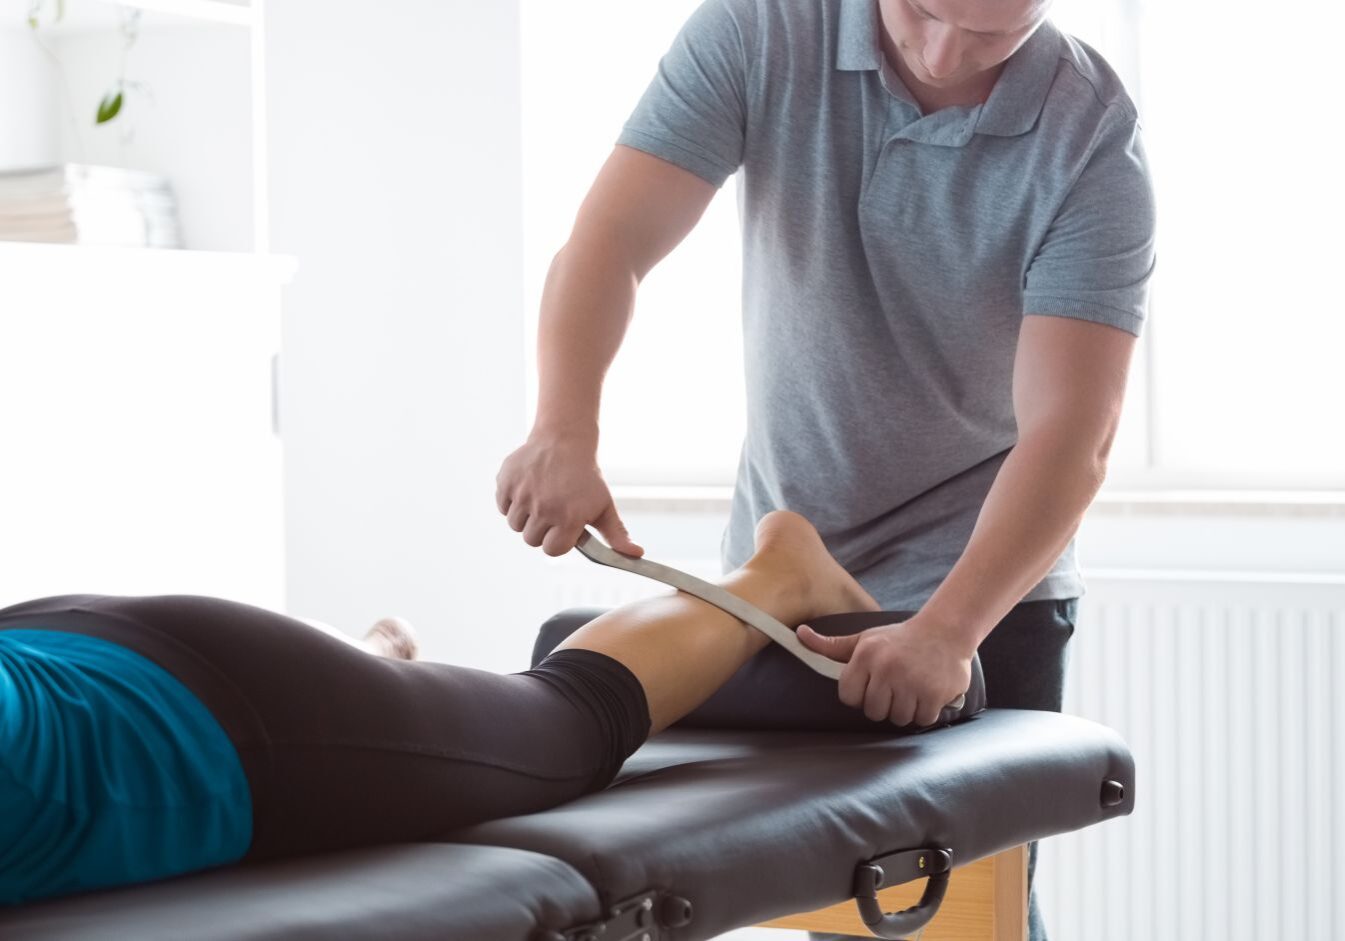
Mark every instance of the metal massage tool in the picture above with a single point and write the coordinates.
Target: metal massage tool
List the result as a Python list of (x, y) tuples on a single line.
[(596, 550)]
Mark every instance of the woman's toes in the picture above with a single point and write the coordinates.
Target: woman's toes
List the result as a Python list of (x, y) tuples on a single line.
[(393, 637)]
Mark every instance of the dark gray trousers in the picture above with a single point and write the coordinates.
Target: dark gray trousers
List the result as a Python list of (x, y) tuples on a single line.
[(1024, 659)]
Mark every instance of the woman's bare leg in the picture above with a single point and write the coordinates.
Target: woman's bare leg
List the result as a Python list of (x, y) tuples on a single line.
[(682, 649)]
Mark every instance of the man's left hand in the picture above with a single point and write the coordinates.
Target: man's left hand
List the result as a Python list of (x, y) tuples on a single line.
[(906, 673)]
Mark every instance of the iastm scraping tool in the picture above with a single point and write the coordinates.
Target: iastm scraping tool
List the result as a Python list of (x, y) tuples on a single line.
[(595, 549)]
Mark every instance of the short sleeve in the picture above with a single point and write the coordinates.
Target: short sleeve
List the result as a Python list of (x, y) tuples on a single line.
[(694, 112), (1099, 251)]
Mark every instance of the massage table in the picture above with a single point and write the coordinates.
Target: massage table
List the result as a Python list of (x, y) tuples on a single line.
[(771, 800)]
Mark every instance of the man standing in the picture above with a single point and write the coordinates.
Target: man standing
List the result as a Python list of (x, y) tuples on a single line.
[(948, 232)]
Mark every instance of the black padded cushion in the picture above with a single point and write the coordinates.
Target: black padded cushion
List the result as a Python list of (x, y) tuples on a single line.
[(429, 892), (775, 690), (756, 825), (746, 825)]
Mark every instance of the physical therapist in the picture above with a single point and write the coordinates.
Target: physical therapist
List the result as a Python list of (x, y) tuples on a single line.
[(947, 234)]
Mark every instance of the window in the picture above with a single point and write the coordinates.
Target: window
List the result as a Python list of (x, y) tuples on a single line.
[(1238, 381), (673, 402), (1239, 111)]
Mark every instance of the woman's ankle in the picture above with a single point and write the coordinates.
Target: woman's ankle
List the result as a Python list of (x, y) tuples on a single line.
[(783, 591)]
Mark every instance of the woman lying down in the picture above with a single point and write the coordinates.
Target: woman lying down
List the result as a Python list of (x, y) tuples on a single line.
[(144, 737)]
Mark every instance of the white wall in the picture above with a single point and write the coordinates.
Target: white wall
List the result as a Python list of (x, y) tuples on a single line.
[(395, 141), (28, 101)]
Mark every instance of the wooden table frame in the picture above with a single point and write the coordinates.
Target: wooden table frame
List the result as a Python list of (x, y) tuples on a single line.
[(986, 901)]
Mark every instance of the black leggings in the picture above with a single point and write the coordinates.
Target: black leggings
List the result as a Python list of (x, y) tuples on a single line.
[(342, 748)]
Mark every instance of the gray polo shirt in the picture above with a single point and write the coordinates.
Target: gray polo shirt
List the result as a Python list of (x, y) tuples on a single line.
[(888, 260)]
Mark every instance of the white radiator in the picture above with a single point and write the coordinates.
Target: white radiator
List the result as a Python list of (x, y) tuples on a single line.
[(1224, 687)]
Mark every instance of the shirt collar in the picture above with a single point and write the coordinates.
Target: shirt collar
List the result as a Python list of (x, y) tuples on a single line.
[(1021, 89), (857, 48), (1019, 92)]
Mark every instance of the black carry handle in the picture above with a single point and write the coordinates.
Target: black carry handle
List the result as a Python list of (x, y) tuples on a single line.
[(895, 869)]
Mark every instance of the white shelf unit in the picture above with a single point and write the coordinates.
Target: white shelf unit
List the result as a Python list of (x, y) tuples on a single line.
[(97, 14), (210, 11), (137, 398), (197, 114)]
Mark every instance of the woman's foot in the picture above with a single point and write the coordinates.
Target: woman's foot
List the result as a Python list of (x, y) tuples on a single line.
[(394, 638), (789, 547)]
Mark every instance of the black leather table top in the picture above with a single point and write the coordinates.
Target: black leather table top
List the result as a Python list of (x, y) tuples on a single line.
[(746, 825), (425, 892), (755, 825)]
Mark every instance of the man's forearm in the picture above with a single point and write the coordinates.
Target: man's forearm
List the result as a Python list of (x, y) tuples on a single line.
[(1032, 511), (587, 303)]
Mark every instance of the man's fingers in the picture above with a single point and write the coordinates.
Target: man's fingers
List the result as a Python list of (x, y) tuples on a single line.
[(535, 531), (878, 701), (518, 517), (614, 531), (504, 486), (928, 715), (837, 648), (561, 540), (854, 681), (902, 712)]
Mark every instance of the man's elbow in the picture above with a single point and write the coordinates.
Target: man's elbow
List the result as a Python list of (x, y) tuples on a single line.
[(1079, 440), (1108, 439)]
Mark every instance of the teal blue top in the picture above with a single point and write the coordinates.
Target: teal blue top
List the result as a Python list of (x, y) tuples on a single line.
[(111, 771)]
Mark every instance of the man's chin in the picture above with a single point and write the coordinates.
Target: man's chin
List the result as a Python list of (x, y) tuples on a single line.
[(943, 84)]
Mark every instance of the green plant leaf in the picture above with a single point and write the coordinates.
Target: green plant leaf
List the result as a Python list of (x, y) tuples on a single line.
[(109, 107)]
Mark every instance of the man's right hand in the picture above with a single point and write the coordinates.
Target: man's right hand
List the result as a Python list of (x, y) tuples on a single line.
[(551, 488), (638, 209)]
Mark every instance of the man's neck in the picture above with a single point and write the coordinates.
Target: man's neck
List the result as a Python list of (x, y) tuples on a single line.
[(931, 99)]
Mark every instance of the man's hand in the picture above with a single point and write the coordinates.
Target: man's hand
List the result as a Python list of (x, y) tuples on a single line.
[(550, 488), (906, 673)]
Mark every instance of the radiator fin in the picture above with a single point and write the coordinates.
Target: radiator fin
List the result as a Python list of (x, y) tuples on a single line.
[(1225, 693)]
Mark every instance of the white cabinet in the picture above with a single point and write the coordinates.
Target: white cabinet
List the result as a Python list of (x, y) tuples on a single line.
[(137, 453)]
